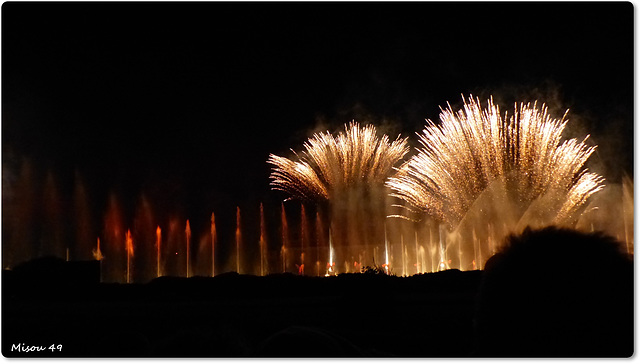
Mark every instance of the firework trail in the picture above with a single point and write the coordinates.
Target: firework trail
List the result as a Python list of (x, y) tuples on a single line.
[(355, 158), (476, 148)]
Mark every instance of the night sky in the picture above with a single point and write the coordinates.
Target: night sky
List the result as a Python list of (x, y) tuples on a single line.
[(183, 102)]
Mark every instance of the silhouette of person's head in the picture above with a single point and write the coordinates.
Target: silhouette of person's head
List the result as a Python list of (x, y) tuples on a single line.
[(556, 292), (305, 342), (203, 342), (123, 344)]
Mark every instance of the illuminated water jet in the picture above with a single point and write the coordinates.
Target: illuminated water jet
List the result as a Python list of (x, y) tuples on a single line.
[(301, 266), (320, 242), (285, 238), (331, 264), (188, 236), (213, 244), (158, 240), (113, 236), (442, 231), (386, 251), (238, 239), (403, 255), (129, 249), (417, 254), (303, 237), (97, 253), (263, 241)]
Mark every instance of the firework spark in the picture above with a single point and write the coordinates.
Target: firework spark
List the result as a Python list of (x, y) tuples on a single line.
[(475, 148), (357, 157)]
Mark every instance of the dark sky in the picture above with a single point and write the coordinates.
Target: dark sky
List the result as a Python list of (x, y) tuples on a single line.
[(184, 101)]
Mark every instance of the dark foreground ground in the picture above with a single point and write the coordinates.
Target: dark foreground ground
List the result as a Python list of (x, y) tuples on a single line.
[(233, 315), (52, 308)]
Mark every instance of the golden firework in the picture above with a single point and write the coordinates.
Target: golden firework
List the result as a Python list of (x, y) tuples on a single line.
[(356, 157), (475, 148)]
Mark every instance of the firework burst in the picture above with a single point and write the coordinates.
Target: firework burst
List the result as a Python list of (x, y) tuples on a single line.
[(346, 171), (476, 148), (356, 157)]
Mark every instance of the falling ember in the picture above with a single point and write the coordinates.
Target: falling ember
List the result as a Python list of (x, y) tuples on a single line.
[(213, 245), (158, 240), (238, 239), (129, 247), (97, 253), (188, 234)]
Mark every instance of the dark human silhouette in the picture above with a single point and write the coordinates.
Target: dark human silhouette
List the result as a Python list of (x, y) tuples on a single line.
[(556, 292), (123, 343), (201, 342), (307, 342)]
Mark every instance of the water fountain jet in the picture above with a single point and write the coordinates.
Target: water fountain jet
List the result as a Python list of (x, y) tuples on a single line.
[(188, 236), (263, 241), (238, 239), (285, 238), (213, 244), (129, 248), (158, 240)]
